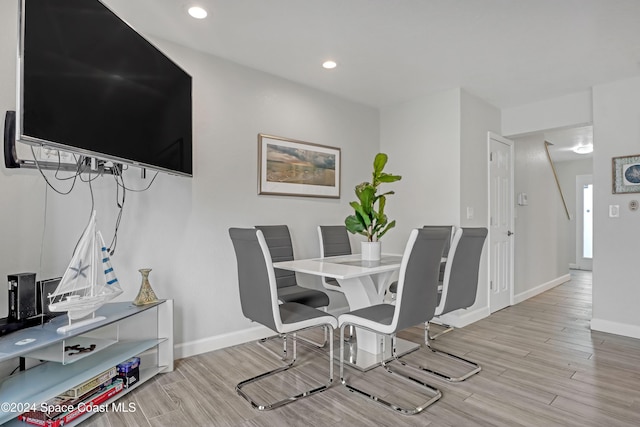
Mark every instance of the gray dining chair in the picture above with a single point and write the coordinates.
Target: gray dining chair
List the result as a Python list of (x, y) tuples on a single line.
[(260, 303), (459, 289), (415, 303), (278, 240), (445, 253), (334, 241)]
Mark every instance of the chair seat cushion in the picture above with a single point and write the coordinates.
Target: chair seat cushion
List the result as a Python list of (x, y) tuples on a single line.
[(311, 297), (372, 317), (296, 316)]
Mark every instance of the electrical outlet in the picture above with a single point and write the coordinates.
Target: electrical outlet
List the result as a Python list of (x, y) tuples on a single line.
[(53, 155)]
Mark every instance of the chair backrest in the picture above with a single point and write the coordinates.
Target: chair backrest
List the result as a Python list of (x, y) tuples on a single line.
[(447, 246), (280, 247), (334, 240), (256, 278), (460, 283), (416, 298)]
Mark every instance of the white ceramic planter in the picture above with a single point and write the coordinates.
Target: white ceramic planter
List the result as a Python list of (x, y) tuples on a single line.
[(371, 250)]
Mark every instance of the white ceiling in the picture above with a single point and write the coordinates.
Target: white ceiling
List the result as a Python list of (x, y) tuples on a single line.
[(565, 140), (507, 52)]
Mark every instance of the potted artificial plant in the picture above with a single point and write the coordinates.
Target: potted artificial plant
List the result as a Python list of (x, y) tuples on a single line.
[(369, 218)]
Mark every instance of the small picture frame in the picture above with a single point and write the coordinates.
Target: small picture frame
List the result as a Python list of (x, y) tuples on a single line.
[(288, 167), (626, 174)]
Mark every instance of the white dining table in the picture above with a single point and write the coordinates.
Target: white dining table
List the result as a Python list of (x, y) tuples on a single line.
[(364, 283)]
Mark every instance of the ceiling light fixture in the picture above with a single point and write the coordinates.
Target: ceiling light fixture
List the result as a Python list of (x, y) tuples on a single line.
[(197, 12), (583, 149), (329, 65)]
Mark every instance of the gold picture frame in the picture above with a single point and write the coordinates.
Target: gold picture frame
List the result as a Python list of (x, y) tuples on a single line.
[(288, 167), (626, 174)]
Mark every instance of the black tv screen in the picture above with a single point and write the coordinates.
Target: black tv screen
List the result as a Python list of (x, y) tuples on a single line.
[(91, 84)]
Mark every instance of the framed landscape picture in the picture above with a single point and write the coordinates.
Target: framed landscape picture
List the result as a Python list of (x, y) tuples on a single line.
[(297, 168), (626, 174)]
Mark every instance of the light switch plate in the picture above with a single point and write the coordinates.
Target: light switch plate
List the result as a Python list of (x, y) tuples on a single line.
[(469, 212), (614, 211)]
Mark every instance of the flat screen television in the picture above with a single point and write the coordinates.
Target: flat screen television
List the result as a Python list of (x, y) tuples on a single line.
[(90, 84)]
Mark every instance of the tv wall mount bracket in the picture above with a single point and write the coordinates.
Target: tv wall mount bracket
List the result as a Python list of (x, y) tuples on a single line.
[(11, 160)]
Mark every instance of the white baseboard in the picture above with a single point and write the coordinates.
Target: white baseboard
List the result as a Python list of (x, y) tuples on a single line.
[(541, 288), (608, 326), (464, 317), (217, 342), (574, 266)]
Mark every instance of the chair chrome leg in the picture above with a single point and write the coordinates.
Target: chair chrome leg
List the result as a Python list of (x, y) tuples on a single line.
[(269, 406), (283, 356), (315, 343), (475, 367), (447, 329), (433, 393)]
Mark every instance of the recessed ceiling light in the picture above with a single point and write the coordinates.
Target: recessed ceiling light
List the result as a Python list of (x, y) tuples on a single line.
[(583, 149), (197, 12), (329, 65)]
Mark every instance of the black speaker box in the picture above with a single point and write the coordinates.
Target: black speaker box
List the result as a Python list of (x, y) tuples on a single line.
[(10, 156), (22, 296)]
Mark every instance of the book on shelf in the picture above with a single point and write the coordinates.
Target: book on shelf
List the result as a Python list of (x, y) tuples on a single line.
[(72, 398), (89, 385), (74, 409)]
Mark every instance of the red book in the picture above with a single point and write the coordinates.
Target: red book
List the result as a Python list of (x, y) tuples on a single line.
[(78, 409)]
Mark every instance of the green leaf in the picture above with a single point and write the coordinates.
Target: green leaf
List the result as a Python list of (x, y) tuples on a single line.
[(386, 177), (367, 198), (382, 202), (364, 218), (387, 228), (353, 224), (378, 164)]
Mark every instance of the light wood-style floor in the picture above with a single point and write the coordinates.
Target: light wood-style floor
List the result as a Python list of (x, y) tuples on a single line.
[(542, 366)]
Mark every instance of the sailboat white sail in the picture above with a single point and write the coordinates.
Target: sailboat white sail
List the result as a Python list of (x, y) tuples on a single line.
[(89, 281)]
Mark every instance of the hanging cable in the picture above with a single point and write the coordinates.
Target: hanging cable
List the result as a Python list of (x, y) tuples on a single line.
[(63, 193), (93, 201), (44, 229), (114, 241), (139, 190)]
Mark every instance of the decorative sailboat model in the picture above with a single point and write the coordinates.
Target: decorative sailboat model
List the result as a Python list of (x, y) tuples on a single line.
[(88, 282)]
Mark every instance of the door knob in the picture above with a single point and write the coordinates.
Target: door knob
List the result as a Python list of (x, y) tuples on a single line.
[(509, 233)]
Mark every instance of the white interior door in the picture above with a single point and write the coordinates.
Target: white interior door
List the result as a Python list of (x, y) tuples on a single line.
[(501, 223), (584, 222)]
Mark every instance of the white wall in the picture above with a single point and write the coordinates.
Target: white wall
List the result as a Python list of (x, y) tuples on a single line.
[(422, 139), (179, 227), (616, 271), (542, 227), (565, 111)]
